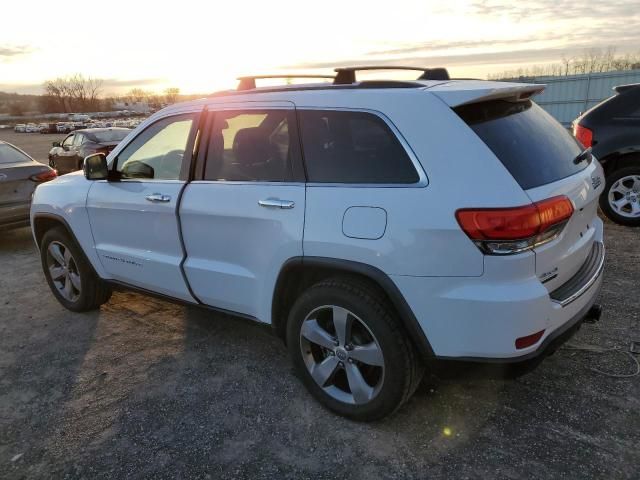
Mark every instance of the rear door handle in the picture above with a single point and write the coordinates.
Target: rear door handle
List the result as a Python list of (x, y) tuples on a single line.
[(158, 197), (276, 203)]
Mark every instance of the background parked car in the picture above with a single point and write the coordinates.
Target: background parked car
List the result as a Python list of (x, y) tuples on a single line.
[(19, 176), (68, 156), (47, 128), (19, 128), (612, 130), (63, 127)]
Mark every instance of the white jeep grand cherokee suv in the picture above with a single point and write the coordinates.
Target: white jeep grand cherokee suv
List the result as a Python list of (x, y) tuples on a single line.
[(373, 224)]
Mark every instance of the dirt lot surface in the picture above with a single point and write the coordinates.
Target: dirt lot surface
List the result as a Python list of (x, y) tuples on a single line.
[(35, 144), (144, 388)]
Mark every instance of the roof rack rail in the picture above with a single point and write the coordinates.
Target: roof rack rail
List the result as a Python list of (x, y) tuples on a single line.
[(249, 82), (347, 75)]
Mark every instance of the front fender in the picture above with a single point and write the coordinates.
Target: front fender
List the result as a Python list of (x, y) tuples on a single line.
[(63, 201)]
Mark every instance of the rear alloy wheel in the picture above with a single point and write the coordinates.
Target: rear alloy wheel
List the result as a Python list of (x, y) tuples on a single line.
[(342, 355), (621, 198), (350, 350)]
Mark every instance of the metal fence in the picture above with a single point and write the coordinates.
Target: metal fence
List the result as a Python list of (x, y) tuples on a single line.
[(567, 97)]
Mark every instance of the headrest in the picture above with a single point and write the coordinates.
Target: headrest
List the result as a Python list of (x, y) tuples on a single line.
[(251, 145)]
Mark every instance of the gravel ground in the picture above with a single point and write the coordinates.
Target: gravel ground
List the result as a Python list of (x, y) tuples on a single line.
[(144, 388)]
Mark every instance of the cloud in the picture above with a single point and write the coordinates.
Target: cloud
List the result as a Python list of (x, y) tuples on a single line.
[(550, 29), (117, 84), (10, 51)]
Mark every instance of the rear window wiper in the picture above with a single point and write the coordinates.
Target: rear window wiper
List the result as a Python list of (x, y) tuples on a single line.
[(584, 155)]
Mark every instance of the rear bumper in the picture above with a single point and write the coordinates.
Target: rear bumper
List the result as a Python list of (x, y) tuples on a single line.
[(549, 345), (479, 319)]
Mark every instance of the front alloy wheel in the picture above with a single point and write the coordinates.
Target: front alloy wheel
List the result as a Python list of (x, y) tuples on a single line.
[(342, 355), (69, 274), (64, 271)]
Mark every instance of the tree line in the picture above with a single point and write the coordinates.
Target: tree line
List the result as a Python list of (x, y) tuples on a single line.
[(79, 93), (590, 61)]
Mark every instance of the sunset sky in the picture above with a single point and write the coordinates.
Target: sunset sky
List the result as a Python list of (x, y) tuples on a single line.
[(202, 46)]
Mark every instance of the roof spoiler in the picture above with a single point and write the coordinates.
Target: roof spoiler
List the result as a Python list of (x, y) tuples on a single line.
[(456, 94)]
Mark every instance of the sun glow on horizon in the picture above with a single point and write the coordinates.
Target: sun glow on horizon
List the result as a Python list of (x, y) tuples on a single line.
[(201, 47)]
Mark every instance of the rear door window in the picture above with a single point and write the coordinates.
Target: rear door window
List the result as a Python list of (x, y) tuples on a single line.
[(353, 147), (252, 146), (528, 141)]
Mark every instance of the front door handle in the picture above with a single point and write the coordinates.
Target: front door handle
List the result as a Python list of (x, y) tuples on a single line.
[(158, 197), (276, 203)]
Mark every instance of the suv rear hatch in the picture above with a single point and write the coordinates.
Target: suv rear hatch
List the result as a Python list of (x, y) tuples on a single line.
[(539, 153)]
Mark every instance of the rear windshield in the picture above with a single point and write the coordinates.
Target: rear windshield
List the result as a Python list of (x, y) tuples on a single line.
[(108, 136), (9, 154), (533, 146)]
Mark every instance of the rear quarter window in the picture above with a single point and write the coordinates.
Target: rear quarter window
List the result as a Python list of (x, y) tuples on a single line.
[(529, 142), (353, 147)]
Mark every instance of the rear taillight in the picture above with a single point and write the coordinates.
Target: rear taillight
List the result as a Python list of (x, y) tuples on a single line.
[(44, 176), (583, 135), (503, 231)]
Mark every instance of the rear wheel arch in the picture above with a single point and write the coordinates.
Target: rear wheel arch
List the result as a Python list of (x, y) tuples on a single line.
[(299, 273), (615, 161)]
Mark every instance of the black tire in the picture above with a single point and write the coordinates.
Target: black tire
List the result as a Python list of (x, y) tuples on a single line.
[(604, 198), (93, 291), (402, 369)]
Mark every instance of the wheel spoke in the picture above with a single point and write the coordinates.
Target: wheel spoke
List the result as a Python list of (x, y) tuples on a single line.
[(56, 253), (67, 255), (620, 203), (323, 371), (313, 332), (56, 272), (360, 390), (68, 290), (635, 208), (342, 324), (620, 187), (369, 354), (75, 280)]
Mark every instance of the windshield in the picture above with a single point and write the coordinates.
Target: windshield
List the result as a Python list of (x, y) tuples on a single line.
[(108, 136), (533, 146), (8, 154)]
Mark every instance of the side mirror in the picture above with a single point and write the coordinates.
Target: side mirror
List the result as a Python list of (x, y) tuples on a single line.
[(55, 144), (95, 167)]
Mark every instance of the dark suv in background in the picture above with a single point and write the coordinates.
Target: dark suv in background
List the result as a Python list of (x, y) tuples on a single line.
[(612, 130)]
